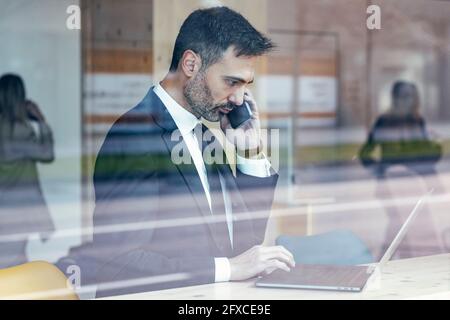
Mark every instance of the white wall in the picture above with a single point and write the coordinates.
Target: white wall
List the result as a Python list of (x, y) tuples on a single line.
[(36, 44)]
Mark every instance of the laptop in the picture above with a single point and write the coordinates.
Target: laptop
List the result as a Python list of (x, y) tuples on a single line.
[(332, 277)]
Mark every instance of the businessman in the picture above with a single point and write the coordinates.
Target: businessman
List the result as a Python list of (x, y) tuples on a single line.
[(165, 215)]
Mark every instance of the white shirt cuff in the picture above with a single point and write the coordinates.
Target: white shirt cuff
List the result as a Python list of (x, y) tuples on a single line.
[(223, 270), (254, 167)]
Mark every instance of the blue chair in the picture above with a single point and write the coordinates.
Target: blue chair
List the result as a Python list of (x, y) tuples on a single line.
[(340, 247)]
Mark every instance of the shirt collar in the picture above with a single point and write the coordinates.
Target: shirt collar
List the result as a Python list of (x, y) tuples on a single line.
[(184, 120)]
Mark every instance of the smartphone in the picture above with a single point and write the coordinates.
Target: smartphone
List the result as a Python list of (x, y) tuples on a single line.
[(239, 114)]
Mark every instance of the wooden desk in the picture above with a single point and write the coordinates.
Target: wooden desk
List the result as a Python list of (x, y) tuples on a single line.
[(415, 278)]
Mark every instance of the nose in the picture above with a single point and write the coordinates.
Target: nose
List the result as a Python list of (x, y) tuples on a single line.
[(237, 97)]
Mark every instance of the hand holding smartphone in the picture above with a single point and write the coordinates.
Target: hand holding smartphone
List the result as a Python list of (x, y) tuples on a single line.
[(239, 115), (33, 111)]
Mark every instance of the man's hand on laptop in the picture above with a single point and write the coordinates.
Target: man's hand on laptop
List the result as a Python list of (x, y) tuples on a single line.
[(260, 260)]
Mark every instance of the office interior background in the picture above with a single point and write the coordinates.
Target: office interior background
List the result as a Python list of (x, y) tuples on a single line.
[(323, 88)]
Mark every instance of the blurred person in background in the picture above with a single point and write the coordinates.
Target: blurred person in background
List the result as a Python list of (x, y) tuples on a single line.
[(403, 140), (25, 139)]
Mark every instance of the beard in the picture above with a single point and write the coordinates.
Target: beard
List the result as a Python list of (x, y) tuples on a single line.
[(199, 97)]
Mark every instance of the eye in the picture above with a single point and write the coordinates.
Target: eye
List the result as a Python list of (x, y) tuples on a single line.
[(231, 83)]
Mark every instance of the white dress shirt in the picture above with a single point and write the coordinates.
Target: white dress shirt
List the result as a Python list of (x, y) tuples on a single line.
[(186, 122)]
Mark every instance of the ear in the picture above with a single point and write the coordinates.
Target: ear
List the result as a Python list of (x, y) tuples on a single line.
[(190, 63)]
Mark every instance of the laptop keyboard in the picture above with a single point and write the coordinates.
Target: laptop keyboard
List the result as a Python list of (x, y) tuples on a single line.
[(327, 276)]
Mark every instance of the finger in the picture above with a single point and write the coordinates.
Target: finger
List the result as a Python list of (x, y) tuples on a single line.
[(278, 265), (248, 93), (282, 249), (281, 255), (279, 249), (248, 96), (286, 251), (251, 103), (277, 254), (268, 271)]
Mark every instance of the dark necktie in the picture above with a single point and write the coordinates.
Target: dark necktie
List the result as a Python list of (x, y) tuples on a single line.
[(206, 139), (212, 171)]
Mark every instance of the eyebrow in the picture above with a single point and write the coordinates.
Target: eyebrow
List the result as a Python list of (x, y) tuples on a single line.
[(238, 79)]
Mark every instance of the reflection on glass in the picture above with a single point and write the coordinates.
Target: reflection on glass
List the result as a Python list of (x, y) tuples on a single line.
[(25, 140)]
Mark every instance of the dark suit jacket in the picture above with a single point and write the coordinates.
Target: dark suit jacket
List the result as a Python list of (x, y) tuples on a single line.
[(152, 221)]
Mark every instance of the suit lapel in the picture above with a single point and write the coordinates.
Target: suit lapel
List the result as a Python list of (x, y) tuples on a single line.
[(189, 174), (188, 171)]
